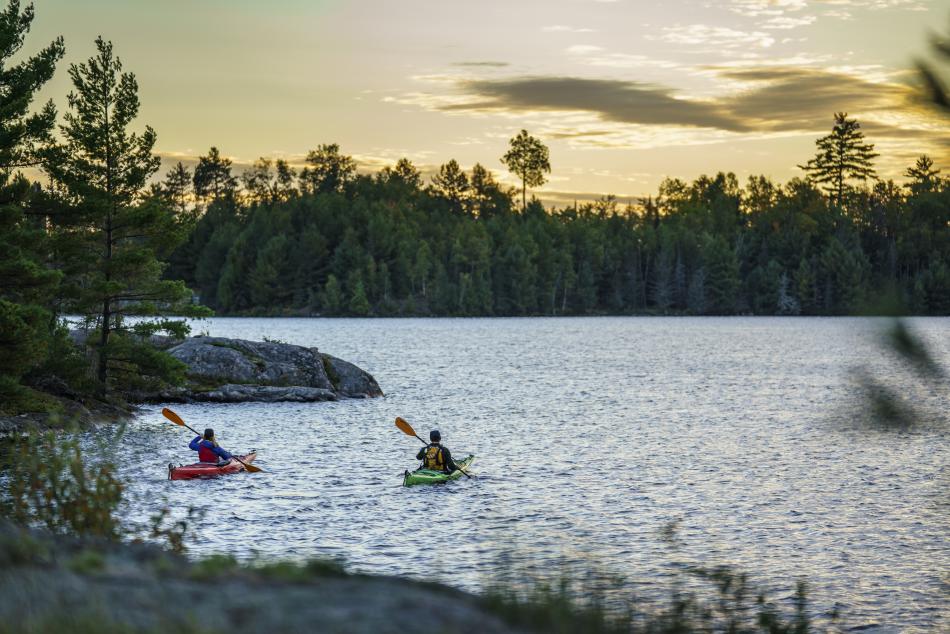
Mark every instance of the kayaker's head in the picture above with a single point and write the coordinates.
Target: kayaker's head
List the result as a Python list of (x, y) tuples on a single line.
[(209, 434), (435, 436)]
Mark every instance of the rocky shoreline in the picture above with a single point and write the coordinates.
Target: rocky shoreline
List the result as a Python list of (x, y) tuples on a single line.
[(222, 370), (61, 584)]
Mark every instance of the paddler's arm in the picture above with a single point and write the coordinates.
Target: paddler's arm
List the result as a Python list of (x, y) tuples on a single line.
[(422, 453), (221, 453), (193, 445), (447, 456)]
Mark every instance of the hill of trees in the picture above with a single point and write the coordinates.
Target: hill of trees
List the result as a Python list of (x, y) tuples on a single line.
[(334, 242)]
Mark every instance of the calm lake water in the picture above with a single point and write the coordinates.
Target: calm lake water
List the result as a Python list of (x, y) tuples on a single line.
[(592, 434)]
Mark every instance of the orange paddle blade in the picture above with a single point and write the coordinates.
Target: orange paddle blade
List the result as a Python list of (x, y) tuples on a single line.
[(172, 416), (405, 427), (249, 467)]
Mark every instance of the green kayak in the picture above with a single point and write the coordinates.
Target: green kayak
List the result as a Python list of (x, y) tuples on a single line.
[(428, 476)]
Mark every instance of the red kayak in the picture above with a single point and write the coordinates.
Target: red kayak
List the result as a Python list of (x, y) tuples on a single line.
[(206, 470)]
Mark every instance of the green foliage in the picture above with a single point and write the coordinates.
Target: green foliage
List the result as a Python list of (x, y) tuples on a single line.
[(930, 74), (109, 233), (175, 533), (842, 156), (724, 601), (327, 170), (388, 247), (27, 285), (19, 548), (212, 567), (528, 158), (884, 405), (52, 483), (86, 561), (300, 573), (213, 181)]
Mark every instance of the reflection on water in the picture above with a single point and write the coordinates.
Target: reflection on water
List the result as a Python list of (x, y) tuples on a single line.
[(591, 435)]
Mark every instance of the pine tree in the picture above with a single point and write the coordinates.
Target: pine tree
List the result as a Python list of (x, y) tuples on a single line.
[(327, 170), (722, 276), (529, 159), (176, 189), (787, 302), (103, 167), (452, 184), (332, 299), (924, 178), (404, 173), (696, 294), (842, 156), (26, 284), (213, 180)]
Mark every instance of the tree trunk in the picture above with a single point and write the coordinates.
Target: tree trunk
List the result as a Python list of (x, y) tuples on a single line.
[(103, 369), (524, 190)]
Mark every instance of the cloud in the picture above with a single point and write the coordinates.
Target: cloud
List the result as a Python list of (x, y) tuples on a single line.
[(773, 8), (716, 36), (610, 100), (487, 64), (789, 98), (598, 56), (782, 22), (583, 49), (762, 101), (757, 8), (561, 28)]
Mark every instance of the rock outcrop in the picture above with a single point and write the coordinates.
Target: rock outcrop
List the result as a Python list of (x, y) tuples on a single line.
[(225, 370), (60, 584)]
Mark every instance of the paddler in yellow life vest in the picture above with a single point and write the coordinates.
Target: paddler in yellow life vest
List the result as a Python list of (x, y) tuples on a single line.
[(436, 457)]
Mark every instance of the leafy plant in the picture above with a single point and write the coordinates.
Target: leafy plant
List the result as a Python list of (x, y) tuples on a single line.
[(176, 533), (52, 483)]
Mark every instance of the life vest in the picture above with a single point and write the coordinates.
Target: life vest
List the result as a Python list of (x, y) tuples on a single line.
[(434, 459), (205, 453)]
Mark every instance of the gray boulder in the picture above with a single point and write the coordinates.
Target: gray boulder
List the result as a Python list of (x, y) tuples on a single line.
[(235, 370)]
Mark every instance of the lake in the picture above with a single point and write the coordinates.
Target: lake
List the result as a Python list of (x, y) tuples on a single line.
[(591, 436)]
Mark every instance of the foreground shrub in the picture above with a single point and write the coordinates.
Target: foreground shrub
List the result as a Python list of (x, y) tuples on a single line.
[(53, 484)]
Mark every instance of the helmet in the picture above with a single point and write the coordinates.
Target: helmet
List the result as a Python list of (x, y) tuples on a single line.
[(435, 435)]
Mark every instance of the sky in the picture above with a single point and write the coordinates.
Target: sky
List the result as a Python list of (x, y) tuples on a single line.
[(624, 92)]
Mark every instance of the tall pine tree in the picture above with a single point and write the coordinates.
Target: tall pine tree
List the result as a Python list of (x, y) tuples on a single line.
[(842, 156), (102, 167), (26, 285)]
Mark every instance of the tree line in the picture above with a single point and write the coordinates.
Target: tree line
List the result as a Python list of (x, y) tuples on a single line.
[(332, 241)]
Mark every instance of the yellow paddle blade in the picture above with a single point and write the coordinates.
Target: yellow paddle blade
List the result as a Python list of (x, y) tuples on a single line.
[(405, 427), (172, 416)]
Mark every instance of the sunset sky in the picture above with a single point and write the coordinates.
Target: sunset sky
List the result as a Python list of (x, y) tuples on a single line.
[(624, 92)]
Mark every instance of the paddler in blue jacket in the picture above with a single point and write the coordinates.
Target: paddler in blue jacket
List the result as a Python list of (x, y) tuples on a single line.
[(208, 449), (436, 457)]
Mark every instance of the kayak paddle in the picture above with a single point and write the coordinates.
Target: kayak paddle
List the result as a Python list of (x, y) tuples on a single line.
[(407, 429), (175, 418)]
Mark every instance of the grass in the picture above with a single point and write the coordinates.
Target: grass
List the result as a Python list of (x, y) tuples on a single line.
[(20, 399), (301, 573), (90, 621), (723, 601), (21, 549), (213, 567), (87, 562), (217, 566)]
